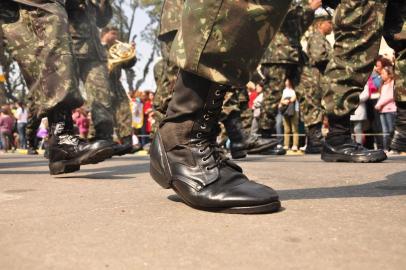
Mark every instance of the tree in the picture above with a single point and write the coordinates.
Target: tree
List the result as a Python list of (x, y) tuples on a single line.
[(125, 18)]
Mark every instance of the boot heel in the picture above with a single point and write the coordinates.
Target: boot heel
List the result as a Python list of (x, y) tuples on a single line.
[(60, 167), (159, 166)]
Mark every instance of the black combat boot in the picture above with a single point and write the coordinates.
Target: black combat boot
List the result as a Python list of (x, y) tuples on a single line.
[(314, 139), (186, 157), (66, 151), (339, 146), (126, 147), (399, 137), (264, 144), (235, 132), (31, 134)]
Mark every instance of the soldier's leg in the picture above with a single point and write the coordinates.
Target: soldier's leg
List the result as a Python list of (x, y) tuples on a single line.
[(123, 121), (310, 95), (94, 75), (231, 118), (399, 139), (40, 43), (219, 44), (360, 24)]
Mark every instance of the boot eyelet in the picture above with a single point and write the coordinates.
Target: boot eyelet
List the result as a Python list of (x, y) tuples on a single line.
[(201, 150), (217, 93), (199, 135), (206, 117), (203, 126)]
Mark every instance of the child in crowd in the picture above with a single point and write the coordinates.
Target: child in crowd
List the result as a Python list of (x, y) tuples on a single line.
[(6, 130), (83, 123), (290, 110), (386, 105)]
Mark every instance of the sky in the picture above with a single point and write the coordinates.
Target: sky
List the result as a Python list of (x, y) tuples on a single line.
[(143, 52)]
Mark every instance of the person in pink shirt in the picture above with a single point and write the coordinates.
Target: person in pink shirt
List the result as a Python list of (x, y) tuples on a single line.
[(83, 123), (6, 130), (386, 105)]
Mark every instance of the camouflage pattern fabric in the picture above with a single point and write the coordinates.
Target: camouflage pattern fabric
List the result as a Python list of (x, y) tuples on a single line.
[(395, 36), (309, 91), (358, 29), (283, 60), (170, 16), (84, 20), (121, 106), (165, 71), (39, 41), (95, 78), (247, 114), (224, 40)]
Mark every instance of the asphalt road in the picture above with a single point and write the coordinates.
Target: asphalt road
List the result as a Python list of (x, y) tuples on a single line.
[(113, 216)]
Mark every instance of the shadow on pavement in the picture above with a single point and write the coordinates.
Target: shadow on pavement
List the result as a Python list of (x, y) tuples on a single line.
[(113, 172), (394, 185)]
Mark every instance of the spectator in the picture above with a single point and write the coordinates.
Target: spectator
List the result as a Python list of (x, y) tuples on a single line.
[(360, 115), (21, 116), (6, 129), (83, 123), (374, 84), (386, 105), (256, 106), (147, 109), (290, 110)]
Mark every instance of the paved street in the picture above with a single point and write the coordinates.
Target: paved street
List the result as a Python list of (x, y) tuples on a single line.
[(113, 216)]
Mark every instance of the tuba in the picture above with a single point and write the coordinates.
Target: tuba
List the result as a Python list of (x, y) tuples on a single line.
[(120, 53)]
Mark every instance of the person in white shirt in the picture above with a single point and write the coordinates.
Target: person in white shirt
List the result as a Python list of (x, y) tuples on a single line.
[(21, 116), (290, 116)]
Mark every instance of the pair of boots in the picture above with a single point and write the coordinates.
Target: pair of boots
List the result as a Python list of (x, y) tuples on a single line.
[(185, 156), (68, 152)]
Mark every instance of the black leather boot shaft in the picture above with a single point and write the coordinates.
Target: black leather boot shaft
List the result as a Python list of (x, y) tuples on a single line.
[(314, 139), (235, 132), (339, 146)]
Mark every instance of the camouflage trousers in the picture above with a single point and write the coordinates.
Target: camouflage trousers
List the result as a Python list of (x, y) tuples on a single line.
[(95, 78), (166, 73), (309, 95), (122, 111), (358, 29), (224, 40), (275, 76), (39, 41)]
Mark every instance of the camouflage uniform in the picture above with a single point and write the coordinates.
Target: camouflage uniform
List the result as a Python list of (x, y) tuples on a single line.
[(84, 18), (309, 90), (283, 60), (361, 24), (169, 24), (121, 102), (36, 33)]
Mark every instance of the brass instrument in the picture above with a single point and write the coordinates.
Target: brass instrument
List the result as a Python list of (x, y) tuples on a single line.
[(120, 53)]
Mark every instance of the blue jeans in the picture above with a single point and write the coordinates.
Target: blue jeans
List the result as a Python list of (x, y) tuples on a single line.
[(279, 128), (21, 135), (387, 122)]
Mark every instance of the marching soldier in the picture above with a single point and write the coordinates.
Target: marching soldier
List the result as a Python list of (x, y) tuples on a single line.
[(36, 33), (310, 93)]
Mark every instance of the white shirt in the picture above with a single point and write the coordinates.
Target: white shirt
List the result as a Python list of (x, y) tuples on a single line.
[(289, 93), (21, 115)]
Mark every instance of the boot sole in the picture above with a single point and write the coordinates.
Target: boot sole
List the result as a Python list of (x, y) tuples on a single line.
[(261, 149), (72, 165), (354, 159), (246, 210)]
